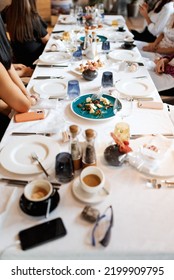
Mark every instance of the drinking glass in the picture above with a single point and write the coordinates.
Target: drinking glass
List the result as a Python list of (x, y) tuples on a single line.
[(106, 46), (107, 79), (64, 167), (127, 105), (73, 89)]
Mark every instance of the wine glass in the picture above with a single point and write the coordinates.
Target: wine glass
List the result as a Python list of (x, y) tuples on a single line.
[(127, 105)]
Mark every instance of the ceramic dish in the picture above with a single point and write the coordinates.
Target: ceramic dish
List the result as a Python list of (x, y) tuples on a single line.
[(101, 38), (83, 196), (128, 48), (55, 57), (124, 55), (135, 87), (16, 155), (105, 114), (50, 87), (38, 208)]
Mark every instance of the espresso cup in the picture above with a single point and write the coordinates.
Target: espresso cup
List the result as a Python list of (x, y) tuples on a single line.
[(92, 179), (128, 42), (38, 190)]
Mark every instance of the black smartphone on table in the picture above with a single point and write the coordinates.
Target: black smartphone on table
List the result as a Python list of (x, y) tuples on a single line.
[(42, 233)]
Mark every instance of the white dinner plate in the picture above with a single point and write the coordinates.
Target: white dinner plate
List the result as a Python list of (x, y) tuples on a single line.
[(163, 167), (55, 57), (66, 19), (88, 198), (16, 156), (124, 55), (135, 87), (50, 87)]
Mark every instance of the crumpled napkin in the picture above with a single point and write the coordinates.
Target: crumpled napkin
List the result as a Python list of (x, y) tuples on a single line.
[(145, 159)]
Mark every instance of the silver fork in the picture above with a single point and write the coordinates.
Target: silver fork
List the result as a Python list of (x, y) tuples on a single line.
[(35, 157)]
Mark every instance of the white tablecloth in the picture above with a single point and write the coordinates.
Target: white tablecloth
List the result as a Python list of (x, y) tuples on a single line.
[(143, 221)]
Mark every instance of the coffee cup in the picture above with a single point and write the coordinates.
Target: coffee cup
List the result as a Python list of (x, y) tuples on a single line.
[(38, 190), (121, 28), (92, 179), (128, 42)]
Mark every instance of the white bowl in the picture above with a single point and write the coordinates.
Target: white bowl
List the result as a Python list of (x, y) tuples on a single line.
[(38, 190), (94, 179)]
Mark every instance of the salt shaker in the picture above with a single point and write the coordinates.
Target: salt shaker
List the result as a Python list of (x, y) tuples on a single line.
[(89, 153)]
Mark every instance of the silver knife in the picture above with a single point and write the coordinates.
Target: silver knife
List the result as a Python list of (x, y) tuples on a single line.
[(47, 77), (23, 182), (52, 65), (16, 133), (135, 136)]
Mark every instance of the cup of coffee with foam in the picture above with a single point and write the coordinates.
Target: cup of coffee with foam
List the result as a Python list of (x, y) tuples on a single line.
[(38, 190), (92, 179)]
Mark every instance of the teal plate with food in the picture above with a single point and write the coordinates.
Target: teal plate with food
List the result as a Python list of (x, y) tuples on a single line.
[(96, 109), (100, 38)]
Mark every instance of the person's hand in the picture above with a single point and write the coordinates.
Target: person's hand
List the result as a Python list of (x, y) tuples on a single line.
[(22, 70), (143, 9), (150, 48), (34, 97), (160, 65)]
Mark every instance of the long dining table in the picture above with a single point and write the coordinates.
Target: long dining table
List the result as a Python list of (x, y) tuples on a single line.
[(143, 216)]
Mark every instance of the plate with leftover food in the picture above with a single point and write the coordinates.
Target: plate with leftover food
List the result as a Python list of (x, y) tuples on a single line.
[(95, 109)]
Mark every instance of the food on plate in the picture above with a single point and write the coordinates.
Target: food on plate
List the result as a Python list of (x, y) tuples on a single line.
[(123, 146), (95, 106), (92, 65), (66, 36)]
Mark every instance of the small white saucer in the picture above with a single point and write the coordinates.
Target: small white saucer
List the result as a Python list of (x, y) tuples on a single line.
[(86, 197)]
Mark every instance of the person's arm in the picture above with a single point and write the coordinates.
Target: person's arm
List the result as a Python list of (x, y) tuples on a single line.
[(45, 39), (15, 78), (152, 47), (144, 12), (162, 18), (11, 94), (22, 70), (169, 50)]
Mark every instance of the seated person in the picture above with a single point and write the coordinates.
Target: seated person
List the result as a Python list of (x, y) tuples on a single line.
[(29, 34), (13, 94), (164, 43), (156, 20), (165, 75)]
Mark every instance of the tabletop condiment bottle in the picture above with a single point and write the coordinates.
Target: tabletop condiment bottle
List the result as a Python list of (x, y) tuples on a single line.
[(89, 153), (87, 40), (75, 148), (94, 43)]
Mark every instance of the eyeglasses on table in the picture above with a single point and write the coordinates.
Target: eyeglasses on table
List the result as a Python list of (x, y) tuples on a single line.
[(101, 231)]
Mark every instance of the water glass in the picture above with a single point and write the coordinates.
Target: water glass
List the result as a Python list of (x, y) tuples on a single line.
[(106, 46), (73, 89), (107, 79), (64, 167)]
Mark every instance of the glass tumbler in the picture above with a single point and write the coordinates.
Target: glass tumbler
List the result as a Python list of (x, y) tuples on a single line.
[(73, 89), (64, 167), (106, 46), (107, 79)]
